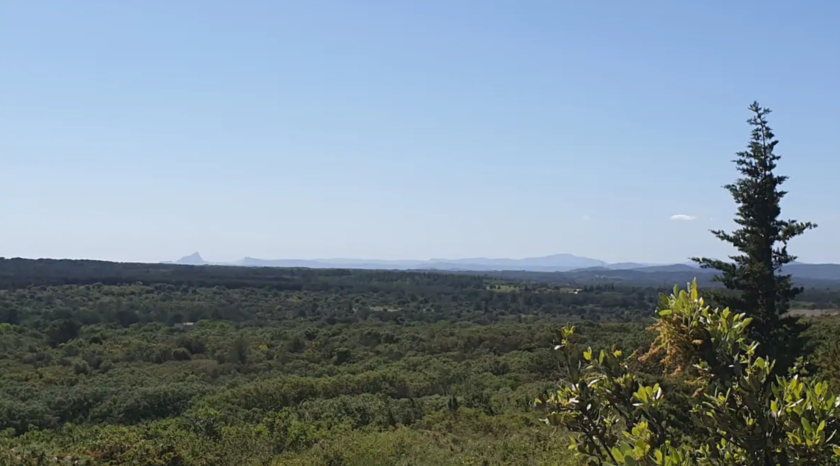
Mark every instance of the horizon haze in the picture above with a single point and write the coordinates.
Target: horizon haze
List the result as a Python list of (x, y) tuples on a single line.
[(558, 261)]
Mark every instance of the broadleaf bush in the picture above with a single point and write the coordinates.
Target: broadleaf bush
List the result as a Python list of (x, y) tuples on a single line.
[(745, 415)]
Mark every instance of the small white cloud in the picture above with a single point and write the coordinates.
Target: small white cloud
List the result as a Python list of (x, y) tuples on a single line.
[(683, 217), (586, 218)]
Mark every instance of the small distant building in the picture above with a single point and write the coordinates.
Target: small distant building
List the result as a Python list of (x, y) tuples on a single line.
[(183, 326)]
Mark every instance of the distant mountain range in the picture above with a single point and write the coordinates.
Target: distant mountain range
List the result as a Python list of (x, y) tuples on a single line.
[(553, 263)]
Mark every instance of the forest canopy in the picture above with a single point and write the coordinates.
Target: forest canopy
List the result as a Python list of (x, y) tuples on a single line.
[(112, 363)]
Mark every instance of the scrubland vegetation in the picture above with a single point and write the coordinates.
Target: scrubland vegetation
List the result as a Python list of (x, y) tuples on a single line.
[(327, 367)]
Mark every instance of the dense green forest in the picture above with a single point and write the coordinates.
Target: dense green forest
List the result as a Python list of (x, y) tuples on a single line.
[(107, 363)]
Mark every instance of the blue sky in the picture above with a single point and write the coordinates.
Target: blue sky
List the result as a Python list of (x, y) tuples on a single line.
[(143, 131)]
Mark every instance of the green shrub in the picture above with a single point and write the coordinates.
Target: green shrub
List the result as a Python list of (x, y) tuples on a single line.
[(749, 416), (181, 354)]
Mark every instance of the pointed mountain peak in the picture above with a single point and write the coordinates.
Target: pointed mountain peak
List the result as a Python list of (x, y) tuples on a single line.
[(192, 259)]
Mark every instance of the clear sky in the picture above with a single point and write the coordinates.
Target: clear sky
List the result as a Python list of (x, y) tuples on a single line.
[(146, 130)]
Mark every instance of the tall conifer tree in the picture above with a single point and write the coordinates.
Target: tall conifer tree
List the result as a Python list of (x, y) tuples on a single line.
[(759, 287)]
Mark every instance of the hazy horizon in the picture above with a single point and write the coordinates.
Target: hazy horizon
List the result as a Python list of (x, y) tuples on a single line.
[(374, 260), (211, 259), (145, 131)]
